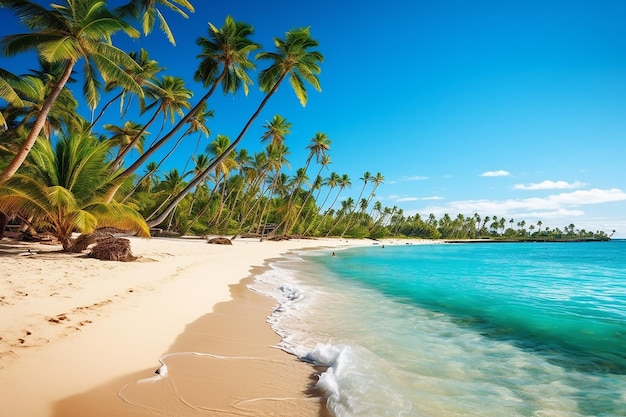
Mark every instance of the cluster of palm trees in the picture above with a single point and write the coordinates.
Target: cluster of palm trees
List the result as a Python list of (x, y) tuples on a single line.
[(61, 173), (488, 227)]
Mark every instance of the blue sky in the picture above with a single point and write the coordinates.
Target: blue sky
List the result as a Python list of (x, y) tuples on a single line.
[(514, 108)]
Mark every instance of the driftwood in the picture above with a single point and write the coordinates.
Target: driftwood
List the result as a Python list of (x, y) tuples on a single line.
[(112, 249), (220, 241)]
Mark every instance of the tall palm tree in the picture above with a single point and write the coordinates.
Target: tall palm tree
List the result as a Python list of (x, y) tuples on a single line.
[(366, 178), (148, 12), (144, 75), (320, 143), (223, 170), (294, 60), (71, 31), (172, 98), (344, 182), (62, 187), (331, 182), (324, 161)]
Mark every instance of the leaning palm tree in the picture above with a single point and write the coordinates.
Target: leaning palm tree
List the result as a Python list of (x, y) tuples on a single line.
[(147, 11), (294, 60), (320, 144), (61, 191), (171, 97), (366, 178), (71, 31), (145, 76)]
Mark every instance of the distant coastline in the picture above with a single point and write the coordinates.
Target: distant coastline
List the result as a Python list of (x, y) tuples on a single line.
[(527, 240)]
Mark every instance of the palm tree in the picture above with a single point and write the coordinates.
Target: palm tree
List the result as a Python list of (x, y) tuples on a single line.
[(331, 182), (148, 12), (324, 161), (124, 135), (294, 60), (343, 183), (172, 98), (366, 178), (319, 145), (69, 32), (144, 75), (276, 130), (222, 171), (61, 190)]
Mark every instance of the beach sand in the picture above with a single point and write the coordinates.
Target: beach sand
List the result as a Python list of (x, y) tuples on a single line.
[(84, 337)]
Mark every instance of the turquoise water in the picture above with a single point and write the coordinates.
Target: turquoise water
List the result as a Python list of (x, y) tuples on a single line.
[(529, 329)]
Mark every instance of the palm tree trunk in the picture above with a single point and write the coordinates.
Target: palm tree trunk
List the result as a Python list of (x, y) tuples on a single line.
[(120, 155), (40, 122), (219, 159), (106, 106)]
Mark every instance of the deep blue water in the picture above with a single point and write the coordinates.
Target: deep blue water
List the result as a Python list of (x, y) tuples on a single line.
[(490, 329)]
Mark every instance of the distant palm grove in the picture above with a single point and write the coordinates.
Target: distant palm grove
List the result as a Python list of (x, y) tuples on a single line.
[(62, 172)]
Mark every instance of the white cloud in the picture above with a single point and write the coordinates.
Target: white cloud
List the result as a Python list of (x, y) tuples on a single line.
[(413, 178), (499, 173), (556, 207), (401, 199), (549, 185)]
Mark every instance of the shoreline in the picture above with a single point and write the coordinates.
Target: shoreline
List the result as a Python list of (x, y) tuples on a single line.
[(73, 326)]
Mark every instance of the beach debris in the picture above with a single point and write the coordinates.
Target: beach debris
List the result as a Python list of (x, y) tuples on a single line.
[(220, 241), (112, 249)]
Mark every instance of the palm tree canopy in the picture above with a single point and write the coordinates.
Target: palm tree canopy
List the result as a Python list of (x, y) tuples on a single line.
[(76, 163), (226, 52), (276, 130), (148, 12), (171, 97), (294, 59), (71, 31)]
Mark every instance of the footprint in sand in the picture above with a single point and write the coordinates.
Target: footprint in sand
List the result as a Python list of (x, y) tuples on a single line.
[(25, 339), (58, 318)]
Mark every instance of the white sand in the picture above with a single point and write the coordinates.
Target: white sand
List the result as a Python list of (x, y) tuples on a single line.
[(68, 323)]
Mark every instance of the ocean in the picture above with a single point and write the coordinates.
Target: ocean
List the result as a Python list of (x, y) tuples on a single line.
[(489, 329)]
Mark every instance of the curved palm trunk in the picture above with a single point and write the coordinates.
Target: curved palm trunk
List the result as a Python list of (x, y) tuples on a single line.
[(219, 159), (325, 214), (348, 222), (39, 124), (171, 151), (104, 108), (295, 220), (320, 209), (122, 153)]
